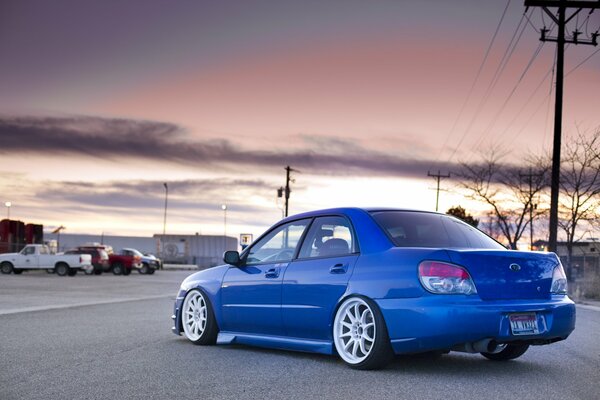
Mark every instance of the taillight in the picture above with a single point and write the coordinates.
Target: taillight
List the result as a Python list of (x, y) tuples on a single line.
[(559, 281), (443, 278)]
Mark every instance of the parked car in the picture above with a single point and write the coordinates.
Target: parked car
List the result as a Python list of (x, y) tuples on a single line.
[(150, 263), (123, 262), (97, 247), (100, 260), (370, 283), (37, 256)]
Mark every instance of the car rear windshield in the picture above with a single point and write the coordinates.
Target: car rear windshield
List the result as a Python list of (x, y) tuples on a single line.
[(421, 229)]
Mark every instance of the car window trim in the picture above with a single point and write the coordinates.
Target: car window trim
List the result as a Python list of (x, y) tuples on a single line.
[(244, 255), (352, 231)]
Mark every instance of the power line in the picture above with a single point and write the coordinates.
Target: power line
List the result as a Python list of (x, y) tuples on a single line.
[(583, 62), (501, 66), (512, 92), (485, 57)]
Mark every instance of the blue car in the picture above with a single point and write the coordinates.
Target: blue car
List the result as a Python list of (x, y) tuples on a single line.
[(370, 283)]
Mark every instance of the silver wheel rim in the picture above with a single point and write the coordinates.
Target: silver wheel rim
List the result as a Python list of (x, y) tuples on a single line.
[(354, 330), (194, 315)]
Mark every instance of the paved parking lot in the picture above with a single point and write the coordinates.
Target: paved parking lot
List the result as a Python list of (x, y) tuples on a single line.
[(108, 337)]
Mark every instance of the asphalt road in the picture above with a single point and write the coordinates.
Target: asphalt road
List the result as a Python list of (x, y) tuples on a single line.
[(108, 337)]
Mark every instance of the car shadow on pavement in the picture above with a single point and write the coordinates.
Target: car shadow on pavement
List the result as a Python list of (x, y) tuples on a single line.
[(451, 364)]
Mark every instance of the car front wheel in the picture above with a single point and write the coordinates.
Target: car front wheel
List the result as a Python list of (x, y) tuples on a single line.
[(197, 318), (510, 352), (360, 335), (6, 268), (117, 269)]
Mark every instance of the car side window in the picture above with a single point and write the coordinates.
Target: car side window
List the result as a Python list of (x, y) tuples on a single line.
[(279, 245), (28, 251), (328, 237)]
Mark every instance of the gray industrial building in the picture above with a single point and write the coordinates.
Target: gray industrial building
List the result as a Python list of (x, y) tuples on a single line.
[(201, 250)]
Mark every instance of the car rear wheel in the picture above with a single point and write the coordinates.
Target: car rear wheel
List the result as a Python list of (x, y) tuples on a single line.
[(61, 269), (510, 352), (360, 335), (126, 271), (117, 269), (6, 268), (198, 319)]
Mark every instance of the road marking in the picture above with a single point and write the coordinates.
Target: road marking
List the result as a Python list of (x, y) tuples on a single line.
[(588, 307), (85, 304)]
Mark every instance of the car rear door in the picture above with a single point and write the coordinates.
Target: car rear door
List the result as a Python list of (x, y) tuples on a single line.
[(251, 293), (314, 282)]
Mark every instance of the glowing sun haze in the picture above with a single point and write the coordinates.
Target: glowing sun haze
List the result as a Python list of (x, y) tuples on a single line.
[(104, 101)]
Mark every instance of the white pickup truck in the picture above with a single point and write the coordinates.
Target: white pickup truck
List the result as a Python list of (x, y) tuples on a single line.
[(37, 256)]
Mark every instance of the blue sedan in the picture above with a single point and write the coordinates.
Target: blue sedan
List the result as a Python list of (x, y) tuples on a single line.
[(370, 283)]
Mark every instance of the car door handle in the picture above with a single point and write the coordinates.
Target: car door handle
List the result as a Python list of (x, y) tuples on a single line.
[(338, 269), (272, 273)]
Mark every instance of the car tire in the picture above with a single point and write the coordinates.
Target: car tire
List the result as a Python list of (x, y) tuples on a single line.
[(61, 269), (72, 272), (145, 269), (6, 268), (117, 269), (151, 271), (97, 271), (510, 352), (126, 271), (360, 335), (198, 319), (17, 271)]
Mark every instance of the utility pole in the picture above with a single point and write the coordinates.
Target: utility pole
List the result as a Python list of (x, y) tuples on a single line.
[(532, 206), (561, 21), (287, 190), (438, 177), (165, 217)]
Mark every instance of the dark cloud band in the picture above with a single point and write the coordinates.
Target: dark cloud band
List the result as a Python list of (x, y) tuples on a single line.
[(113, 138)]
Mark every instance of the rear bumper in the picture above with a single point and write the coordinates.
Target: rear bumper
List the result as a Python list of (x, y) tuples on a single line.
[(442, 322)]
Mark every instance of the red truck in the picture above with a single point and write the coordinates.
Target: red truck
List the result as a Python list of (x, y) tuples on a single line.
[(123, 262)]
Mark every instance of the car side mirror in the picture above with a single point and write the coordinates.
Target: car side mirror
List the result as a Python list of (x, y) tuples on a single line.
[(232, 257)]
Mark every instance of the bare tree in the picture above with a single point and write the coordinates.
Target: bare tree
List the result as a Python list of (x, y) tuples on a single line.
[(501, 186), (579, 204)]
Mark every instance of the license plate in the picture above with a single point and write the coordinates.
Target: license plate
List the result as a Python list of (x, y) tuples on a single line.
[(524, 324)]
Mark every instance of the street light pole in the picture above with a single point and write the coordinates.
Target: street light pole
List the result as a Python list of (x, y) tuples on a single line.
[(165, 217), (224, 208), (8, 204)]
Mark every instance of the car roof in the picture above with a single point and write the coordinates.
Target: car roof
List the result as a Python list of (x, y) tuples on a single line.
[(350, 210)]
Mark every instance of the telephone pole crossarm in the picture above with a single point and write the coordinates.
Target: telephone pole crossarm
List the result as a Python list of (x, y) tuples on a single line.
[(438, 177)]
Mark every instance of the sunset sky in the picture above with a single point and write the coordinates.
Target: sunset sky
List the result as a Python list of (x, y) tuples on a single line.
[(103, 101)]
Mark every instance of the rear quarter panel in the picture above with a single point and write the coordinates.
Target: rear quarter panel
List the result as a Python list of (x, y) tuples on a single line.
[(392, 273)]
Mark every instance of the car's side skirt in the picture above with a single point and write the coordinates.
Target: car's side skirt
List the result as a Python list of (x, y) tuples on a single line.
[(276, 342)]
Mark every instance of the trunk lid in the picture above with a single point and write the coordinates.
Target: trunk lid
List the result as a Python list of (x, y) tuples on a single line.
[(507, 274)]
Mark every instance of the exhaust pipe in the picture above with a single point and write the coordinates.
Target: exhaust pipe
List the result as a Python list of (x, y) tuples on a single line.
[(481, 346)]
